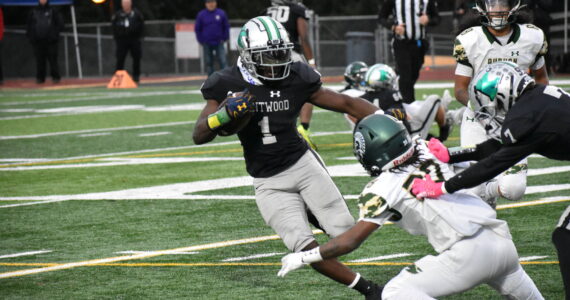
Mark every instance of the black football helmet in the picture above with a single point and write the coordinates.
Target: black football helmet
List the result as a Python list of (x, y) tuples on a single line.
[(497, 14)]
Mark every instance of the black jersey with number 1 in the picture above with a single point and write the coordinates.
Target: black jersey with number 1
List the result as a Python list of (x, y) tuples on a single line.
[(539, 122), (288, 15), (270, 140)]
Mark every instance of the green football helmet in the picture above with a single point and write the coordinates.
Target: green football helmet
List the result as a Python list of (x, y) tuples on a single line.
[(354, 74), (493, 91), (381, 142)]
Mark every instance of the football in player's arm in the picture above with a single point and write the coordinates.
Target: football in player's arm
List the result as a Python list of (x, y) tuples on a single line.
[(266, 91), (462, 229)]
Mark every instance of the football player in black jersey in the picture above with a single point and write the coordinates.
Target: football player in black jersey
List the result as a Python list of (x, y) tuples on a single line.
[(290, 179), (293, 15), (523, 118)]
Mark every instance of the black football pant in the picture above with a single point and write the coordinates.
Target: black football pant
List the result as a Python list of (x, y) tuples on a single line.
[(134, 46), (561, 239), (46, 52), (409, 55)]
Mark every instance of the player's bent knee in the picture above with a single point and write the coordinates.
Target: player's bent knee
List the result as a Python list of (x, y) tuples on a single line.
[(394, 290)]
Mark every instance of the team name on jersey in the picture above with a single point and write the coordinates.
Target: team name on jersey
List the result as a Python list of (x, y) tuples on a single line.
[(494, 60), (273, 106)]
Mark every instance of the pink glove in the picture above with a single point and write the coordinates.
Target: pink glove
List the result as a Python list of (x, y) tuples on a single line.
[(427, 188), (439, 150)]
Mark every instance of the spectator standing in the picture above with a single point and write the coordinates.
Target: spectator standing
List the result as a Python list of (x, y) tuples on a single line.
[(407, 21), (128, 30), (461, 8), (212, 31), (44, 25)]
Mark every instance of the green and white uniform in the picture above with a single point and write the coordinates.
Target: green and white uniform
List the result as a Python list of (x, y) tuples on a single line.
[(476, 48), (461, 228)]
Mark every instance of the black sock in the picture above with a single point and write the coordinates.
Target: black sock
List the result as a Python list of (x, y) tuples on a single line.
[(305, 126), (364, 286)]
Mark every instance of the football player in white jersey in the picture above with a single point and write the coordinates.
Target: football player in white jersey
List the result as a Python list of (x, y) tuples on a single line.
[(502, 36), (461, 228)]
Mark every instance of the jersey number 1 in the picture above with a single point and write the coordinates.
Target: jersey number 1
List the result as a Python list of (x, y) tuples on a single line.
[(267, 138)]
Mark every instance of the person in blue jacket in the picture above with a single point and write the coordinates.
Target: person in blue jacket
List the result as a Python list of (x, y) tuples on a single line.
[(212, 30)]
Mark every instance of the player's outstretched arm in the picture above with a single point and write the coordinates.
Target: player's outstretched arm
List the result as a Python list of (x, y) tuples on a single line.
[(331, 100), (461, 89), (341, 245), (202, 132)]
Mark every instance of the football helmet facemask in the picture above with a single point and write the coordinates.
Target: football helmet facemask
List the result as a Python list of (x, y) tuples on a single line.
[(265, 48), (497, 14), (381, 142), (381, 76), (493, 91), (354, 74)]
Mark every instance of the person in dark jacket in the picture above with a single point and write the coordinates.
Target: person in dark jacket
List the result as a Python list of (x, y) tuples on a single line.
[(128, 29), (212, 30), (44, 25)]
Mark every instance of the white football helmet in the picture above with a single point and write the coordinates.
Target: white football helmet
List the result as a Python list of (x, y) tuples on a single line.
[(381, 76), (493, 91), (497, 13), (265, 48)]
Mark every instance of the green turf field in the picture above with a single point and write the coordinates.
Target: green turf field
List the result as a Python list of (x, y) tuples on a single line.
[(103, 195)]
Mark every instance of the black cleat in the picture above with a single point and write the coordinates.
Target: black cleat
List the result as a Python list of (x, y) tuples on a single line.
[(376, 293)]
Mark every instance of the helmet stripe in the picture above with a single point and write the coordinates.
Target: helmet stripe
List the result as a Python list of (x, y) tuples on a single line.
[(276, 28), (267, 28)]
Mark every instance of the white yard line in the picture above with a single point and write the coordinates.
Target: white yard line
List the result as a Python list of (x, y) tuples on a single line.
[(153, 252), (113, 95), (398, 255), (125, 162), (95, 134), (25, 253), (252, 256), (32, 136), (530, 258), (155, 134)]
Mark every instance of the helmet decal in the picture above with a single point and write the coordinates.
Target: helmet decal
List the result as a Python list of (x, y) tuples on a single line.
[(488, 86), (359, 146)]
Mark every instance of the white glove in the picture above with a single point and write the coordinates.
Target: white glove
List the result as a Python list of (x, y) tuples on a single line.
[(294, 261), (291, 262)]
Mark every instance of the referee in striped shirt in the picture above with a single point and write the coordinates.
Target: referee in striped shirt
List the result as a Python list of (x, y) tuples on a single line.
[(561, 239), (408, 20)]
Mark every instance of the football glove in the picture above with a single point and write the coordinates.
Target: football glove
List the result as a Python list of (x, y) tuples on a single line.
[(439, 150), (427, 188), (239, 104), (294, 261), (397, 113), (236, 106)]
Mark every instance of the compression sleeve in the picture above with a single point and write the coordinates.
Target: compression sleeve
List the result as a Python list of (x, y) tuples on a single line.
[(487, 168), (482, 150)]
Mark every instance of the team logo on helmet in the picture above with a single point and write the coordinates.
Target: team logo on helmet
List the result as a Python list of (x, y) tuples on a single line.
[(359, 146)]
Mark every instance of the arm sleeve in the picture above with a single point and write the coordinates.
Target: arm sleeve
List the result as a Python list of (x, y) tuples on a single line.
[(488, 168), (198, 29), (481, 151), (226, 25), (210, 91), (385, 17)]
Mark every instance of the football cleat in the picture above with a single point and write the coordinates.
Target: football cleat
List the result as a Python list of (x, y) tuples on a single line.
[(306, 134)]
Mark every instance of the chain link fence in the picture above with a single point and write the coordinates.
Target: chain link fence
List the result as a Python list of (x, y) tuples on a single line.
[(336, 41)]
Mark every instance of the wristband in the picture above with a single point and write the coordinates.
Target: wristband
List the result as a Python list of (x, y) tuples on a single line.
[(312, 256), (218, 118), (443, 190), (311, 61)]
